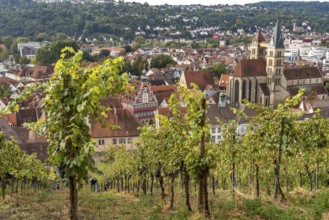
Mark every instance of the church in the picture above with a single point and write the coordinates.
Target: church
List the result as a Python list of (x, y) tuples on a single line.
[(264, 79)]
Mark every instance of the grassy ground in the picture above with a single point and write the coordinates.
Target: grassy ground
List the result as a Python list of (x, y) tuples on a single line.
[(112, 205)]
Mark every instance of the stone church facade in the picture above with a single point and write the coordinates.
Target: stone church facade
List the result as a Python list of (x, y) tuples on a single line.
[(263, 78)]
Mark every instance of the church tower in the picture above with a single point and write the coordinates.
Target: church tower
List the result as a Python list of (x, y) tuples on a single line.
[(257, 51), (275, 63)]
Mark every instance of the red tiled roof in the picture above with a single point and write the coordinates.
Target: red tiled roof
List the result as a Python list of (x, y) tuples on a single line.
[(40, 148), (120, 117), (37, 72), (248, 68), (163, 88), (200, 78), (318, 88), (223, 80), (168, 113), (8, 81), (10, 118), (302, 73)]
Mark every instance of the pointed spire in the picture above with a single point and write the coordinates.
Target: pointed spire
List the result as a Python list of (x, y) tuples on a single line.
[(258, 37), (277, 39)]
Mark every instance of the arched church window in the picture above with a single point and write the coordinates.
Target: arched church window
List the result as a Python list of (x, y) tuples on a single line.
[(237, 91), (249, 97), (244, 89), (256, 92)]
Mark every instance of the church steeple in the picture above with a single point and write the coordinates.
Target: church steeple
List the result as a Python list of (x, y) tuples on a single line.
[(257, 52), (275, 62), (276, 39)]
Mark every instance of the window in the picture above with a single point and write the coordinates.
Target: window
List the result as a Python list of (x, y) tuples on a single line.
[(218, 130), (213, 139), (145, 97), (101, 142), (114, 141), (122, 140), (219, 137), (242, 129), (213, 130), (129, 140)]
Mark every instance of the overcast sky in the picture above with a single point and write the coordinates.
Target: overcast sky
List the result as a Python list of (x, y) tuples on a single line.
[(190, 2)]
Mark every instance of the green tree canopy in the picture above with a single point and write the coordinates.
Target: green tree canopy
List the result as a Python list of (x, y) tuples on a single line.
[(50, 53), (217, 69), (5, 91), (162, 61)]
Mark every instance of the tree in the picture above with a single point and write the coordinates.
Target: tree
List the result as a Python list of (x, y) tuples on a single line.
[(127, 48), (104, 53), (4, 53), (24, 60), (60, 37), (162, 61), (217, 69), (7, 41), (41, 37), (72, 97), (5, 91), (50, 53), (138, 42), (138, 65), (13, 47)]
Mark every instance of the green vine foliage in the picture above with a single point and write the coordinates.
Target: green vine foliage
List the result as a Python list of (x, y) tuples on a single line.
[(16, 164), (71, 98)]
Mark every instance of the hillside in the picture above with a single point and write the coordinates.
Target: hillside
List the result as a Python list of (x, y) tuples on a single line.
[(20, 18)]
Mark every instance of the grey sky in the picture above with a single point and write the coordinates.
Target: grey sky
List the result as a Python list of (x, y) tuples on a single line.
[(189, 2)]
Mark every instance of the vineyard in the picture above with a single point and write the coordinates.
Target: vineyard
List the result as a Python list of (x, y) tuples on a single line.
[(279, 167), (279, 154)]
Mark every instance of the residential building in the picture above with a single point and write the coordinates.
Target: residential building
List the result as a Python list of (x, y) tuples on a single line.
[(121, 128), (29, 49), (140, 102)]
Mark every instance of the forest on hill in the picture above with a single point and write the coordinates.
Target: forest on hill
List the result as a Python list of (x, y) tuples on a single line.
[(21, 18)]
